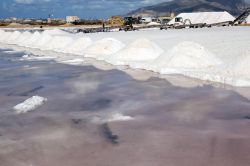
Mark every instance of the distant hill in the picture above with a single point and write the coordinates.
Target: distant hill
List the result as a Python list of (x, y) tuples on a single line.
[(235, 7)]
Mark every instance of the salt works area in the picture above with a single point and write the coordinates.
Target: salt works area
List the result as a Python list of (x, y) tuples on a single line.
[(140, 98)]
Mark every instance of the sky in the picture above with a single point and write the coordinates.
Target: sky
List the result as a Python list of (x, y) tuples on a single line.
[(89, 9)]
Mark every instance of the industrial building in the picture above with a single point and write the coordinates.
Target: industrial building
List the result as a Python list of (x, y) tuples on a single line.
[(72, 19)]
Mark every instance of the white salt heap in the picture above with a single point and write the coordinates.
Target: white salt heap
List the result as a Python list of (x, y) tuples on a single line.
[(78, 46), (185, 56), (140, 50), (210, 54), (30, 104), (106, 46), (58, 42)]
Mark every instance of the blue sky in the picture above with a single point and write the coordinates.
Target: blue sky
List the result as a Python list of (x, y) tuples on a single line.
[(61, 8)]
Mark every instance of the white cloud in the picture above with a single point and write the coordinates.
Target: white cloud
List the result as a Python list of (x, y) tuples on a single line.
[(24, 1), (31, 1)]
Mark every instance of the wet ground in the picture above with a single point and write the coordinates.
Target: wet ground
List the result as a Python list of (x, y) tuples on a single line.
[(171, 126)]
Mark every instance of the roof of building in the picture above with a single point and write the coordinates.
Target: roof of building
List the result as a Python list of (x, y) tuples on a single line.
[(205, 17)]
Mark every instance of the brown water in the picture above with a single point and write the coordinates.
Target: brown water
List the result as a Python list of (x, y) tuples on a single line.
[(172, 126)]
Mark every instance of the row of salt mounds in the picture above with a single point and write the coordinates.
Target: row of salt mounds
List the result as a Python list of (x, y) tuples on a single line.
[(78, 46), (185, 56), (141, 50), (104, 47)]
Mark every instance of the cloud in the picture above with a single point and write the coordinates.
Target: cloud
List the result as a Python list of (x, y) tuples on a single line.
[(31, 1)]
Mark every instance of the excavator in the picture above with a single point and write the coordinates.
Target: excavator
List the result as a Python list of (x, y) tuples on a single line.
[(125, 24)]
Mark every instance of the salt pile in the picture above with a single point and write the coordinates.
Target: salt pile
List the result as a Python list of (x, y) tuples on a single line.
[(45, 38), (106, 46), (23, 37), (78, 46), (30, 104), (13, 36), (33, 39), (185, 56), (241, 67), (58, 42), (205, 17), (140, 50)]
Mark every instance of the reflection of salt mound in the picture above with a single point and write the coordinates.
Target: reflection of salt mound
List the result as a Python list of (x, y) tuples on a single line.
[(57, 42), (186, 55), (30, 104), (114, 117), (140, 50), (119, 117), (105, 46), (78, 46)]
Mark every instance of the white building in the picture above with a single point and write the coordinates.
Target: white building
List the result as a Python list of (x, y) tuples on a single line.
[(149, 19), (71, 19), (202, 17)]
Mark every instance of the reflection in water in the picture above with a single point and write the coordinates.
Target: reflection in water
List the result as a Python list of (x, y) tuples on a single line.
[(171, 125)]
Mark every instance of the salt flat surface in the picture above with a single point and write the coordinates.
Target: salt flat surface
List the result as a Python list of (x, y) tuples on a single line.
[(212, 54)]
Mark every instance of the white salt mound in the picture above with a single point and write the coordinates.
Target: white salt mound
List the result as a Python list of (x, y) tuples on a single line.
[(23, 37), (78, 46), (58, 42), (30, 104), (45, 38), (33, 39), (4, 36), (242, 66), (186, 55), (13, 37), (140, 50), (106, 46)]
